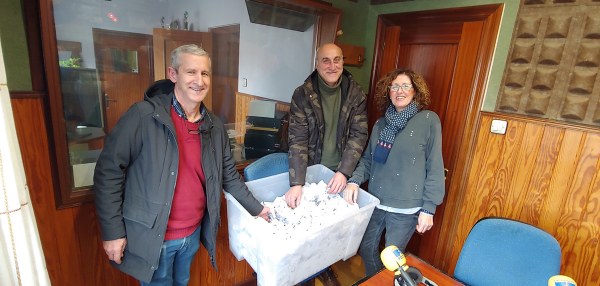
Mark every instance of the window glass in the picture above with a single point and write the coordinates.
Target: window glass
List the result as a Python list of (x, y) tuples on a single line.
[(109, 52)]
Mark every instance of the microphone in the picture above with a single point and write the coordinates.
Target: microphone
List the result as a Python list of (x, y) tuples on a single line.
[(561, 280), (395, 261)]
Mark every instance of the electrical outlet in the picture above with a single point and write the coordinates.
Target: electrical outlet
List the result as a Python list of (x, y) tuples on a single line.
[(498, 126)]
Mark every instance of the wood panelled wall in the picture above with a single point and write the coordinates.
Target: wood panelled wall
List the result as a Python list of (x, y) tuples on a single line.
[(544, 174), (70, 237), (541, 173)]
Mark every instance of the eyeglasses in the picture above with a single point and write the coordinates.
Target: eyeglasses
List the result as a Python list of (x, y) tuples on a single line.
[(404, 87)]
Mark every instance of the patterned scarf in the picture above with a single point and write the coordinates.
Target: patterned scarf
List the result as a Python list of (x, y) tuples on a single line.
[(394, 123)]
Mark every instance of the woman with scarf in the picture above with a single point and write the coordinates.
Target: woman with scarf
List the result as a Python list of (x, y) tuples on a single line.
[(403, 164)]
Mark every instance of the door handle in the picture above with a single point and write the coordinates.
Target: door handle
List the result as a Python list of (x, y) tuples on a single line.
[(446, 172)]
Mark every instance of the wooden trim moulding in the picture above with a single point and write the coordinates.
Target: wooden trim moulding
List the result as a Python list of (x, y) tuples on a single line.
[(66, 194), (542, 121), (31, 11), (27, 94)]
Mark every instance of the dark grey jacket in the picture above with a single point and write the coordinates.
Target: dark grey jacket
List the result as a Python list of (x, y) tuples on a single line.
[(413, 175), (135, 177), (307, 127)]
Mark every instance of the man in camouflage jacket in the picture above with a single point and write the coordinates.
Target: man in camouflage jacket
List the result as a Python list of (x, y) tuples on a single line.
[(328, 124)]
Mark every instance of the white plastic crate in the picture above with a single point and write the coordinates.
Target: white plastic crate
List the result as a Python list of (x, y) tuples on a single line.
[(288, 262)]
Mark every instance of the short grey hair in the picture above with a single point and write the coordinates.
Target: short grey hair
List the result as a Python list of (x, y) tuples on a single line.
[(186, 49)]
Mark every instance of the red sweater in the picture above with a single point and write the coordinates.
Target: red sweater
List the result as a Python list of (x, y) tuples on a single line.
[(189, 200)]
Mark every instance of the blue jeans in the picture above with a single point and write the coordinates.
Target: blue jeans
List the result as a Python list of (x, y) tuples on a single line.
[(399, 228), (175, 261)]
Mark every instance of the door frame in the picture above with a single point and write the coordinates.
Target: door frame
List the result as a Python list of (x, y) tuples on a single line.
[(384, 61)]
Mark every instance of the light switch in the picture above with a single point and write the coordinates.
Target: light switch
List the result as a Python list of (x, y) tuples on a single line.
[(498, 126), (244, 82)]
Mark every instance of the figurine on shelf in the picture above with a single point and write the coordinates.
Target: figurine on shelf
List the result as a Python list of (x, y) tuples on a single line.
[(162, 22), (185, 21)]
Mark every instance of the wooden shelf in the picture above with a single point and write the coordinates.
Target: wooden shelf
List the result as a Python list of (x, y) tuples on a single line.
[(353, 55)]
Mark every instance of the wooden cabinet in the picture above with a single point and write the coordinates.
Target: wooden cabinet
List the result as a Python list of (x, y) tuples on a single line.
[(353, 55), (166, 40)]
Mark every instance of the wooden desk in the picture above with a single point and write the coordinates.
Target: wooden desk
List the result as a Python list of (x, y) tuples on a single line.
[(386, 277)]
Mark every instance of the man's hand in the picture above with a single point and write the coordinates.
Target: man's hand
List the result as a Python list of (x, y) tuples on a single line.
[(425, 222), (337, 183), (265, 213), (351, 193), (114, 249), (293, 196)]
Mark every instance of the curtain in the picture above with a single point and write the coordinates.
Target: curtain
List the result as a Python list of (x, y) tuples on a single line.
[(21, 256)]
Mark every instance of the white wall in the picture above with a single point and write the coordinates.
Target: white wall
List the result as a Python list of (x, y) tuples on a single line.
[(273, 61)]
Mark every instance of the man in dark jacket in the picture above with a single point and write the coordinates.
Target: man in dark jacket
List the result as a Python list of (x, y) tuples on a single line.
[(328, 125), (159, 178)]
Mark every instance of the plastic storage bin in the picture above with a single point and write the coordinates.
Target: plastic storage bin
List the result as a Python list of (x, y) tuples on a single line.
[(288, 262)]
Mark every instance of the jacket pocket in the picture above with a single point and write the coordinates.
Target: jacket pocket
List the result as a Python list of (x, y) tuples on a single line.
[(140, 216), (142, 240)]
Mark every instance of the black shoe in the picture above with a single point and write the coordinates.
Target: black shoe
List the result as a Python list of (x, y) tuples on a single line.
[(328, 278)]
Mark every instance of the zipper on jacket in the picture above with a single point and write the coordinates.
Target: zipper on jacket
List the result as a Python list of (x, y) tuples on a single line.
[(348, 125), (174, 138)]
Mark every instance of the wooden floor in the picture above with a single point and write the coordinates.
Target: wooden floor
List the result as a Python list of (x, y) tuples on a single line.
[(348, 272)]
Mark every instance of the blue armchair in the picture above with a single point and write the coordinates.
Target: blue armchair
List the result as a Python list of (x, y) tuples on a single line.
[(269, 165), (503, 252)]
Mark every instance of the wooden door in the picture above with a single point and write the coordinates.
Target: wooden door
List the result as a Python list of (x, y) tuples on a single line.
[(166, 40), (125, 69), (449, 48), (225, 57)]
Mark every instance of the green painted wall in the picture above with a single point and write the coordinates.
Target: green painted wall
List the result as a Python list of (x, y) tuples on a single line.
[(360, 18), (354, 19), (14, 46)]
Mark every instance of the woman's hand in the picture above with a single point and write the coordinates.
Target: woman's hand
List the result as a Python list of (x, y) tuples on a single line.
[(351, 193), (425, 222)]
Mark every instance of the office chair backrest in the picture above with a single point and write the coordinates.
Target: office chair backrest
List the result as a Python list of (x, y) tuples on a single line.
[(269, 165), (506, 252)]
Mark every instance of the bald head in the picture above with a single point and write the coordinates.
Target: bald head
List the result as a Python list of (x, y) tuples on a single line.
[(330, 63), (327, 49)]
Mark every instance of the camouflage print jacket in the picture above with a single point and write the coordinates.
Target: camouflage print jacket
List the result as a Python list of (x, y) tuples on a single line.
[(307, 127)]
